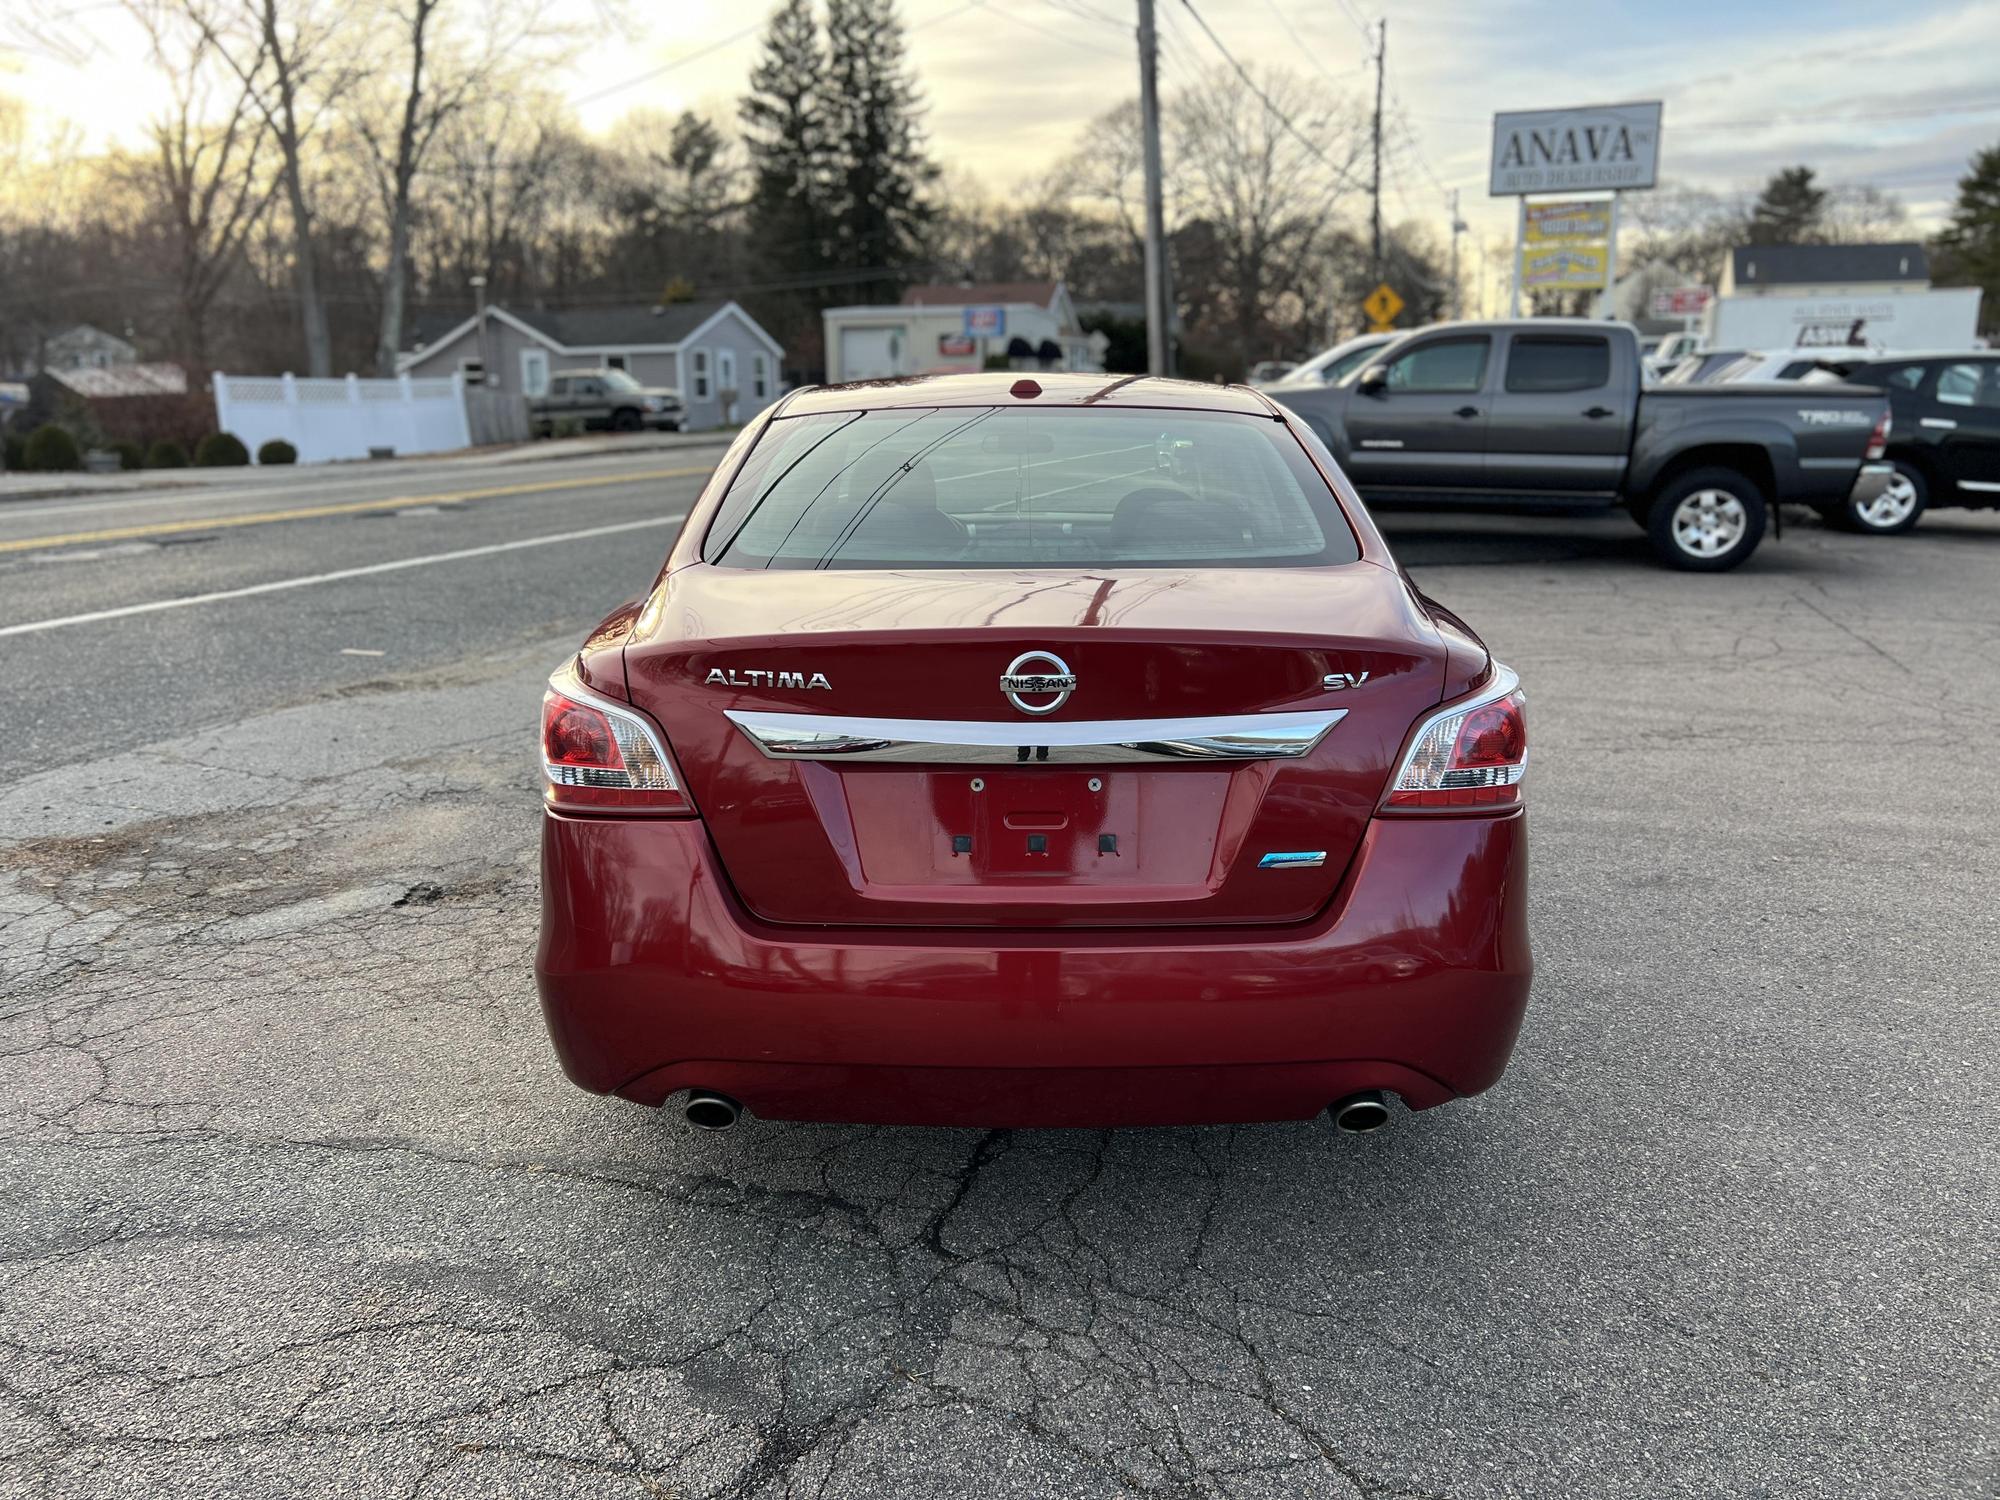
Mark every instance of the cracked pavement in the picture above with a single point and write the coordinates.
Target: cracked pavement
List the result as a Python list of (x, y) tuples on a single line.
[(294, 1202)]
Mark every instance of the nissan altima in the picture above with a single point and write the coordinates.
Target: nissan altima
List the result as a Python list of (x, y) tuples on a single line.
[(1065, 750)]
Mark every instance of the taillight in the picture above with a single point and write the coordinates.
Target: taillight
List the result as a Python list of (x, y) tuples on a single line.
[(1878, 440), (598, 757), (1471, 754)]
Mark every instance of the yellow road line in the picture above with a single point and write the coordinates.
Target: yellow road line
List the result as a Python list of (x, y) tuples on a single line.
[(355, 507)]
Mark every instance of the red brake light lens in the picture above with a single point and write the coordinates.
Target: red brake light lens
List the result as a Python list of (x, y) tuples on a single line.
[(598, 758), (1468, 756), (1878, 440)]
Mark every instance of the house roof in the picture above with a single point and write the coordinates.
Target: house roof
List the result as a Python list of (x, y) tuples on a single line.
[(981, 293), (585, 329), (124, 380), (637, 324), (1806, 265)]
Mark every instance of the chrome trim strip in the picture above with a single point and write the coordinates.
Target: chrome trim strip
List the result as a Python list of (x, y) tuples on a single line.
[(1986, 486), (784, 736), (1941, 422)]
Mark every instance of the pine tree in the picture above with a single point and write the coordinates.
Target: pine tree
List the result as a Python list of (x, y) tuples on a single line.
[(785, 131), (880, 216), (1788, 211), (1971, 242)]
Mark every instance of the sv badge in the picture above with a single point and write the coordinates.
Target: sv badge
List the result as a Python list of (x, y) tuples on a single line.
[(1335, 682)]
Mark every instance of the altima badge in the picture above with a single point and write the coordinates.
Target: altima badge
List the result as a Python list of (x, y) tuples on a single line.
[(758, 677), (1020, 683)]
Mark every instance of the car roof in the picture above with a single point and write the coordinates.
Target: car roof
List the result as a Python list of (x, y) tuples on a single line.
[(1056, 388), (1909, 356)]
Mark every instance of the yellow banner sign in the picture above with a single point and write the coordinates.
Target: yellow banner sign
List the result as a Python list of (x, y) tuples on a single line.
[(1559, 223), (1564, 268)]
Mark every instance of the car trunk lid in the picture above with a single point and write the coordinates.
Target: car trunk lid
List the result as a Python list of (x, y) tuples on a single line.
[(857, 761)]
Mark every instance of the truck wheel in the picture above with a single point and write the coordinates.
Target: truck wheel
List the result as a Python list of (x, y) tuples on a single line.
[(1894, 510), (1707, 520), (625, 419)]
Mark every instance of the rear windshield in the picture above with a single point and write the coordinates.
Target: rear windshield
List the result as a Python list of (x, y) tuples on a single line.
[(1009, 487)]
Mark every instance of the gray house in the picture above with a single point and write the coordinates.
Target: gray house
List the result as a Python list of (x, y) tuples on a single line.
[(714, 353)]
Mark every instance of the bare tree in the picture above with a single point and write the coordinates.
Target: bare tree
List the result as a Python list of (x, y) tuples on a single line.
[(443, 68), (206, 177), (293, 59)]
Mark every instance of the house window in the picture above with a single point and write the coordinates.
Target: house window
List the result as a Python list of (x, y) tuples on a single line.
[(473, 371), (534, 372), (614, 361), (760, 376), (725, 369), (698, 363)]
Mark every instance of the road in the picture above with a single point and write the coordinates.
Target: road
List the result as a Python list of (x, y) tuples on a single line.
[(293, 1201)]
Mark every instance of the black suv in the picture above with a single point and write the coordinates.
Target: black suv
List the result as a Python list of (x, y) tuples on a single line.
[(1944, 437)]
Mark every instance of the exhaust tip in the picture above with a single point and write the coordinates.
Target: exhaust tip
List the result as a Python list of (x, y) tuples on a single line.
[(707, 1111), (1362, 1113)]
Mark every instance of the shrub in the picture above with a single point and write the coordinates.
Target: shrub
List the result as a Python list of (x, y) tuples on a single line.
[(222, 450), (277, 451), (569, 427), (13, 452), (129, 456), (51, 449), (166, 455)]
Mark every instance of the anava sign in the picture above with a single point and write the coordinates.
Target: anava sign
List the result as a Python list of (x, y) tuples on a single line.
[(1573, 150)]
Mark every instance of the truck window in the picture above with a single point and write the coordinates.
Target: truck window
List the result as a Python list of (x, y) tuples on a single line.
[(1558, 364), (1441, 367), (559, 386)]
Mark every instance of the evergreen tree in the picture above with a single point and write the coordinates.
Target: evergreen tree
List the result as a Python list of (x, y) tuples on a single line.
[(1789, 210), (880, 215), (785, 131), (1971, 243)]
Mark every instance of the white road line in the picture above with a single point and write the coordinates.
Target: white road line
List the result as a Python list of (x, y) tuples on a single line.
[(299, 583)]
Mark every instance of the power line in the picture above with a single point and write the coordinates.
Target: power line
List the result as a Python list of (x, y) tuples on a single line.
[(1340, 173), (1008, 14), (1299, 42)]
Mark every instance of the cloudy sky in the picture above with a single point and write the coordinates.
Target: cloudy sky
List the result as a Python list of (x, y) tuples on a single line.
[(1867, 92)]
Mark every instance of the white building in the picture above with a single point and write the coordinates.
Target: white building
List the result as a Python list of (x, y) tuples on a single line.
[(954, 329)]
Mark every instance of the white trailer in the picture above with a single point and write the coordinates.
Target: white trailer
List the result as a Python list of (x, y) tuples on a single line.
[(1942, 318)]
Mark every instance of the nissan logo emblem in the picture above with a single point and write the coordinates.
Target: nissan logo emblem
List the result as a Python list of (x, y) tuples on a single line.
[(1035, 674)]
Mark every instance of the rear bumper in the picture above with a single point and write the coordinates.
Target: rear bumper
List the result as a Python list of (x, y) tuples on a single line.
[(1870, 483), (653, 978)]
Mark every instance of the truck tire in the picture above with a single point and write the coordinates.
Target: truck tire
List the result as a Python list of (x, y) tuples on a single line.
[(1707, 520), (625, 419), (1895, 511)]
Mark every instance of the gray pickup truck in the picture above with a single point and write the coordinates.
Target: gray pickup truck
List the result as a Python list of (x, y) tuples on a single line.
[(604, 398), (1556, 411)]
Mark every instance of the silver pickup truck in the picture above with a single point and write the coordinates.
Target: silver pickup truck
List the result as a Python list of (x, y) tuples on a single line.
[(1556, 411), (604, 399)]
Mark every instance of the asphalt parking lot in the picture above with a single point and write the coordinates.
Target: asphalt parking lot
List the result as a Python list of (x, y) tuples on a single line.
[(293, 1201)]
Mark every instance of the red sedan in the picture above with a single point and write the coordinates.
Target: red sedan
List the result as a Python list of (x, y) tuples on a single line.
[(1055, 751)]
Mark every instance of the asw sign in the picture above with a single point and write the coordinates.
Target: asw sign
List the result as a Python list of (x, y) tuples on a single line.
[(1613, 146)]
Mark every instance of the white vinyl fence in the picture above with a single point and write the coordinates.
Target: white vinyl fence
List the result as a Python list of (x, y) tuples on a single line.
[(351, 418)]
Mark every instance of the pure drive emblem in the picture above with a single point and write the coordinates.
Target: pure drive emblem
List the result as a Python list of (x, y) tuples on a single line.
[(1037, 674), (758, 677)]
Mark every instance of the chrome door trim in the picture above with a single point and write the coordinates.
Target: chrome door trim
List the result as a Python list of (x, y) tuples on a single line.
[(784, 736), (1943, 422)]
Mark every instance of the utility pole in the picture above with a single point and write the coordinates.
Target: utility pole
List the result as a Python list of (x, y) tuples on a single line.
[(1375, 243), (1457, 228), (1159, 341)]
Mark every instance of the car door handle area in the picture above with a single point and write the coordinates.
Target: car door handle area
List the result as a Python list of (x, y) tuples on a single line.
[(1943, 422), (1466, 411), (1595, 412)]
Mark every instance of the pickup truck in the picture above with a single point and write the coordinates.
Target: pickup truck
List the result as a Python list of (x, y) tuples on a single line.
[(601, 398), (1555, 411)]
